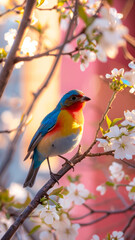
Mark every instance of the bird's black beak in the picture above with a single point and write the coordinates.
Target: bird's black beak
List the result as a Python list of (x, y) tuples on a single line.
[(85, 99)]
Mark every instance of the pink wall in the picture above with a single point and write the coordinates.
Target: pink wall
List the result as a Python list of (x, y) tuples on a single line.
[(93, 170)]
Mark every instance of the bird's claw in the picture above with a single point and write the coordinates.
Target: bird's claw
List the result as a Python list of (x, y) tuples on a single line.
[(70, 163)]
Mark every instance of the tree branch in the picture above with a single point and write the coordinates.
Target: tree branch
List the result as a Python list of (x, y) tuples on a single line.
[(107, 214), (128, 224), (8, 131), (9, 64), (101, 154)]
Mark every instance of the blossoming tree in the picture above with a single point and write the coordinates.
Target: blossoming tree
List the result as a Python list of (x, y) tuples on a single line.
[(99, 38)]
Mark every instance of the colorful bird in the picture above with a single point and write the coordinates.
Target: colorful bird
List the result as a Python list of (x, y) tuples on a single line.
[(59, 132)]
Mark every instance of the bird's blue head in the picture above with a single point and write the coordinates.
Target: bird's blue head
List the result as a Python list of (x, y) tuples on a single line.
[(73, 99)]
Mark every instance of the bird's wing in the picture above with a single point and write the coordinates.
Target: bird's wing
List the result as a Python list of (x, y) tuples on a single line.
[(46, 126)]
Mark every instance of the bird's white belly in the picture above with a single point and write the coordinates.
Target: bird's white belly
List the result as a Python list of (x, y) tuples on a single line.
[(64, 145)]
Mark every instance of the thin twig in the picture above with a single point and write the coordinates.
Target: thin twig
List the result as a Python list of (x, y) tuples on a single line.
[(9, 64), (128, 163), (12, 9), (47, 9), (94, 221), (48, 52), (9, 131), (128, 224), (128, 208), (106, 111), (130, 39), (100, 154), (106, 214)]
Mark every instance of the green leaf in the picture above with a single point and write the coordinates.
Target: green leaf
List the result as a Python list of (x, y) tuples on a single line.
[(65, 191), (5, 197), (21, 205), (61, 2), (56, 191), (110, 2), (115, 121), (43, 199), (76, 57), (73, 179), (108, 121), (8, 215), (60, 195), (3, 53), (108, 236), (90, 196), (110, 184), (133, 189), (102, 131), (34, 229), (58, 207), (39, 3), (82, 14), (130, 128)]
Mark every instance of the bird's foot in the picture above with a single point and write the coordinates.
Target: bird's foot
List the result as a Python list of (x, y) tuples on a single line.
[(67, 161), (70, 163), (54, 176)]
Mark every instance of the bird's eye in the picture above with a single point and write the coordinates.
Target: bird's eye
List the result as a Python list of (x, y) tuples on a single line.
[(74, 98)]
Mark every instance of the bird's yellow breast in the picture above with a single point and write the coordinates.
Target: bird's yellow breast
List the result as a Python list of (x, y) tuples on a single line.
[(70, 122)]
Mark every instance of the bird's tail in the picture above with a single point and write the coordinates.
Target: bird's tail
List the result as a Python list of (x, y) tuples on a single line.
[(30, 179)]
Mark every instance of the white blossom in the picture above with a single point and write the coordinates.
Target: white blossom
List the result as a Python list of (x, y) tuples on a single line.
[(101, 189), (68, 233), (116, 171), (111, 15), (132, 90), (86, 57), (105, 144), (64, 23), (16, 190), (129, 118), (46, 235), (92, 6), (68, 48), (115, 131), (132, 65), (124, 147), (81, 39), (65, 202), (77, 193), (29, 46), (95, 237), (48, 214), (131, 194), (63, 222), (129, 78), (110, 29), (34, 20), (2, 230), (118, 235), (5, 223), (115, 73), (19, 65), (101, 55), (10, 37)]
